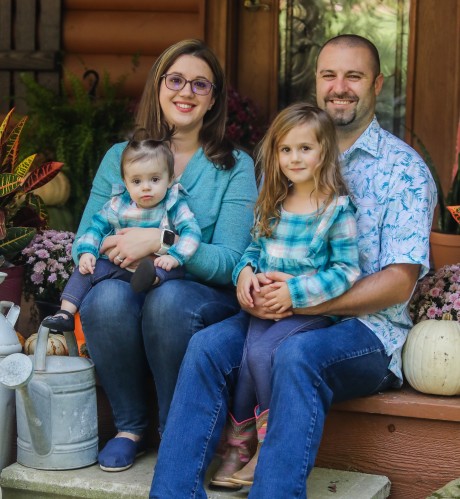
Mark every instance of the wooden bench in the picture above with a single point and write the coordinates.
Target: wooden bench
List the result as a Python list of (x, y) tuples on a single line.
[(410, 437)]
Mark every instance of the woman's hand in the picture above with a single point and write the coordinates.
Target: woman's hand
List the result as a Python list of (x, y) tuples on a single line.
[(130, 245)]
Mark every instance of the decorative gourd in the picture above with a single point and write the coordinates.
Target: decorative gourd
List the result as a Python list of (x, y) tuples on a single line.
[(56, 192), (56, 345), (431, 357)]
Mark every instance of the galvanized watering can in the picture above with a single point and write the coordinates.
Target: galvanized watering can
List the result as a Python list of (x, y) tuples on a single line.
[(9, 344), (55, 406)]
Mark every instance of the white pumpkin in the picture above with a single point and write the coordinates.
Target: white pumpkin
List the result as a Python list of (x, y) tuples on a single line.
[(56, 192), (56, 345), (431, 357)]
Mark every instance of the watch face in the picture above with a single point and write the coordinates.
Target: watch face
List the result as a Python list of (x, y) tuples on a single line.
[(168, 237)]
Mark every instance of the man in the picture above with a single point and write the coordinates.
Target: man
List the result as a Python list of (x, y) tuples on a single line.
[(395, 197)]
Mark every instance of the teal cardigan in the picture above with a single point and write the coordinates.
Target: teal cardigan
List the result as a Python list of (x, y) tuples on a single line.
[(222, 201)]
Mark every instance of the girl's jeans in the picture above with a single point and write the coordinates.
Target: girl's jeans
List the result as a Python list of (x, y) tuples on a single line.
[(80, 284), (128, 338), (310, 371), (263, 338)]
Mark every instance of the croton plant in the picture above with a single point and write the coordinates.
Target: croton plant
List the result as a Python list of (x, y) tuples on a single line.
[(22, 212)]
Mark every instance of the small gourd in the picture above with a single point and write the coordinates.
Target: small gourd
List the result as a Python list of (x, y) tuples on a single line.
[(56, 345), (56, 192), (431, 357)]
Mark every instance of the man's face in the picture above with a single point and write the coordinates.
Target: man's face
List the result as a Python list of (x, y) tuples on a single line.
[(346, 86)]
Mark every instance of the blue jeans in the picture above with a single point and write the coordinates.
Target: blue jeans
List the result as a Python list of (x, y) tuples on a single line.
[(79, 285), (310, 371), (263, 338), (132, 334)]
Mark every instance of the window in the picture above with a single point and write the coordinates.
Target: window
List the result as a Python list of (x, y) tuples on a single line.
[(306, 24)]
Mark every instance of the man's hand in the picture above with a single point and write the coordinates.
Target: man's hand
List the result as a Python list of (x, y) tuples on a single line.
[(87, 263), (166, 262)]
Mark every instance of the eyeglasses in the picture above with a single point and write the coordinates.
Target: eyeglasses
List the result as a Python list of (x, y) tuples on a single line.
[(200, 86)]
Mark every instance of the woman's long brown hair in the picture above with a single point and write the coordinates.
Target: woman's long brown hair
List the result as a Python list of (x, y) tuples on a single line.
[(275, 185), (217, 148)]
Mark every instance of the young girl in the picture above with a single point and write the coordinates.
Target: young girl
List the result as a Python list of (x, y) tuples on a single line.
[(149, 198), (305, 227)]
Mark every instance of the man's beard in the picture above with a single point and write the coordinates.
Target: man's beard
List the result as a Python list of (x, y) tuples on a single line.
[(343, 118)]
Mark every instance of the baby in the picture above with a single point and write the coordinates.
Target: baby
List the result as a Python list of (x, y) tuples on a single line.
[(148, 198)]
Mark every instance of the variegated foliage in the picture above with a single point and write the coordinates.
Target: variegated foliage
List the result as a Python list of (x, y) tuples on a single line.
[(21, 211)]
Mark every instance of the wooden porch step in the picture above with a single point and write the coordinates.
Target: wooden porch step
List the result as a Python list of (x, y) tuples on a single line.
[(18, 482), (412, 438)]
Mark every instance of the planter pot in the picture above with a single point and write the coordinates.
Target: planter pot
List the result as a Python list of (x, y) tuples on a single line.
[(46, 308), (431, 357), (445, 249), (11, 287)]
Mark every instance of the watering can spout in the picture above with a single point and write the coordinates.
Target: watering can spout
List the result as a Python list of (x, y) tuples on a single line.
[(16, 373)]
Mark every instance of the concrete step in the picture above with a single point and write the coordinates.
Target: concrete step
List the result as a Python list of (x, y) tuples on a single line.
[(18, 482)]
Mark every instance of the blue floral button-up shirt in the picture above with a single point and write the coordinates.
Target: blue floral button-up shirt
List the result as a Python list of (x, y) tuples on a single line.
[(395, 197)]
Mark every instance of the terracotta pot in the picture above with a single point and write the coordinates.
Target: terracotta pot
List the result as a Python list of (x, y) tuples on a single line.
[(445, 249)]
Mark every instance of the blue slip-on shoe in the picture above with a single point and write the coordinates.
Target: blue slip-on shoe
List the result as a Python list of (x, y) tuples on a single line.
[(120, 453)]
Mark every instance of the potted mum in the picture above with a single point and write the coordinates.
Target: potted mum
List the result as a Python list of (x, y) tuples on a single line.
[(48, 265), (431, 355)]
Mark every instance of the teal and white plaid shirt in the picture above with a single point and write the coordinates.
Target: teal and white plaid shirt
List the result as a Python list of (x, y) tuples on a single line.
[(320, 251), (121, 212)]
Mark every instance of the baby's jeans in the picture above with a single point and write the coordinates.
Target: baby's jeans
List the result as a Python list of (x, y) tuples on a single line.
[(79, 285)]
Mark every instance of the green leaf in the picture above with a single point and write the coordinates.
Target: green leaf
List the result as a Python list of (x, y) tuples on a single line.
[(24, 166), (17, 238), (9, 182)]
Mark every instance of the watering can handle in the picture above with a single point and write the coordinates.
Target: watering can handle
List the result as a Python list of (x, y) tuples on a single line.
[(42, 346), (13, 312)]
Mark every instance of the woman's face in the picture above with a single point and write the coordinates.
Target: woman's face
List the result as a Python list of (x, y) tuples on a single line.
[(183, 108)]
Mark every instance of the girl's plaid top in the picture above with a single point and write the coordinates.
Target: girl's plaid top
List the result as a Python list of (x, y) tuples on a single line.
[(121, 212), (319, 249)]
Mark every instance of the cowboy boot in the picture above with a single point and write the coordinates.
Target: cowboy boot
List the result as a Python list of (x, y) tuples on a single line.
[(245, 476), (241, 443)]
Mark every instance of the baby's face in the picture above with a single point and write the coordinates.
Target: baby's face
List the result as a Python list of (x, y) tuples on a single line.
[(146, 182)]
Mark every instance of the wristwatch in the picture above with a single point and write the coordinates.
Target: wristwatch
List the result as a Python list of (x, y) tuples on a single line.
[(166, 241)]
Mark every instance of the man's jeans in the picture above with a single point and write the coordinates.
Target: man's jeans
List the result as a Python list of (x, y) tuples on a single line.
[(310, 371)]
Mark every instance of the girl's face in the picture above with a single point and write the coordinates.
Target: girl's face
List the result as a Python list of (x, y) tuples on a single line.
[(299, 154), (146, 182), (183, 108)]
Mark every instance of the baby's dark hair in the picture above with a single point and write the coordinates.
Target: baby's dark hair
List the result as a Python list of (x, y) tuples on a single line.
[(142, 147)]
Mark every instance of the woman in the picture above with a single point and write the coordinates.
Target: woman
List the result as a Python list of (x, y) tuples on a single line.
[(127, 333)]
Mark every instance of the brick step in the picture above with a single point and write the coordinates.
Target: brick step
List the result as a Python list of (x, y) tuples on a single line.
[(408, 436), (18, 482)]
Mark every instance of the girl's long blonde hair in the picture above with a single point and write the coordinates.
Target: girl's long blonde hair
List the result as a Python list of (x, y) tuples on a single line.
[(275, 185)]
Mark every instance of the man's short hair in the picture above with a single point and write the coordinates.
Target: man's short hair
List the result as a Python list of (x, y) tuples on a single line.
[(356, 41)]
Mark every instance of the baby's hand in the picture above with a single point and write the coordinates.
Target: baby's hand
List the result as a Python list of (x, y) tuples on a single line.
[(279, 299), (87, 263), (166, 262)]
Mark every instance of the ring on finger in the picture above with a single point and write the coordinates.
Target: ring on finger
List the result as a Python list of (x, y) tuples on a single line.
[(119, 259)]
